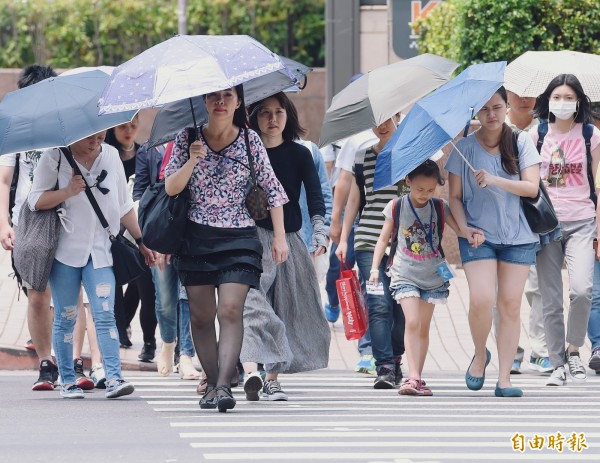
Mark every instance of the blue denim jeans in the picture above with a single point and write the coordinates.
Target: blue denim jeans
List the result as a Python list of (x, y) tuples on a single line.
[(99, 284), (166, 284), (386, 319), (186, 344), (334, 269), (594, 321)]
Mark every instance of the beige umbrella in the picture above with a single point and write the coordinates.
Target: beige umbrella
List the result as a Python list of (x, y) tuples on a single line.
[(530, 73), (375, 97)]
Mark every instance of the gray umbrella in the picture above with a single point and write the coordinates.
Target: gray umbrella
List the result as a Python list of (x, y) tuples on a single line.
[(174, 117), (375, 97)]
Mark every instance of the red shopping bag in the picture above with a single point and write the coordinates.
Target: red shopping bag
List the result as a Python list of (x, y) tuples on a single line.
[(352, 304)]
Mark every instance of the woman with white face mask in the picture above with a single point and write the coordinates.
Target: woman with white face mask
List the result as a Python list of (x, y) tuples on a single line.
[(565, 169)]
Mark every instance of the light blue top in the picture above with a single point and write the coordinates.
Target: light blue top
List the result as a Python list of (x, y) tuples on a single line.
[(493, 209), (306, 231)]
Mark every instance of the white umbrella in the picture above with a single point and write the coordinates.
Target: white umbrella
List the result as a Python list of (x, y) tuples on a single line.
[(530, 73), (375, 97), (186, 66)]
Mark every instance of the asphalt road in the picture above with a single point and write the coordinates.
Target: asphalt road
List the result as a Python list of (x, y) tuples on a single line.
[(332, 416)]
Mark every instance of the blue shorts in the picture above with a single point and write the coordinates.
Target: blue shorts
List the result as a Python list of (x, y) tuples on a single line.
[(522, 254), (432, 296)]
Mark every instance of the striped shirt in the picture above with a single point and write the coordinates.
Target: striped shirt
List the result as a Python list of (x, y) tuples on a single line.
[(372, 218)]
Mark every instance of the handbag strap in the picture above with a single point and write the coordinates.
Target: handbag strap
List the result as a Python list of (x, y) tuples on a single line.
[(88, 192), (250, 160)]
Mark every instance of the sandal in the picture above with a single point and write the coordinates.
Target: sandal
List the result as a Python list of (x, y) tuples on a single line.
[(207, 402), (225, 400), (164, 362)]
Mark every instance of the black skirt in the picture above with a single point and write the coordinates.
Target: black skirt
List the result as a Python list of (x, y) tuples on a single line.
[(213, 256)]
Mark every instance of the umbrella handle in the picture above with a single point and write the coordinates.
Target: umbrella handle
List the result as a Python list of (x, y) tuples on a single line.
[(466, 161), (194, 118)]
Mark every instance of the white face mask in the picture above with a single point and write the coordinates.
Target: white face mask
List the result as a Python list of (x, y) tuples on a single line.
[(563, 109)]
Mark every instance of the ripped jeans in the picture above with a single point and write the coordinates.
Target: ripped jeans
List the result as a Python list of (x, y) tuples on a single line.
[(99, 284)]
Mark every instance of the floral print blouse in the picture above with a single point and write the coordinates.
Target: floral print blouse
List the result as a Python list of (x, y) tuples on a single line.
[(218, 182)]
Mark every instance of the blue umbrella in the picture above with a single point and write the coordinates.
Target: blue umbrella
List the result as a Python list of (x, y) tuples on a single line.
[(435, 120), (55, 112)]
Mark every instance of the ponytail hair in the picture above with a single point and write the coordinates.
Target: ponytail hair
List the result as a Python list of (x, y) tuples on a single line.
[(508, 156)]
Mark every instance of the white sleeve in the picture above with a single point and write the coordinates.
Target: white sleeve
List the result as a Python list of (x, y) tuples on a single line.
[(346, 156), (45, 176), (8, 160)]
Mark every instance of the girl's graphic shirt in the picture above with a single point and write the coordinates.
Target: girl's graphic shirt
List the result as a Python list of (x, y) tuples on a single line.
[(415, 261), (564, 169)]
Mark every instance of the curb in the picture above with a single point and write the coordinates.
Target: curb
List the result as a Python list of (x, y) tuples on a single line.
[(19, 358)]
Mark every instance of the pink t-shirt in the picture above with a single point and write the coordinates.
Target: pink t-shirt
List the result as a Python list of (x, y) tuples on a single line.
[(564, 169)]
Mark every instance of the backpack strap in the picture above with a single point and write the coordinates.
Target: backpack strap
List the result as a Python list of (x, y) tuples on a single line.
[(542, 131), (396, 208), (439, 211), (588, 131), (14, 185)]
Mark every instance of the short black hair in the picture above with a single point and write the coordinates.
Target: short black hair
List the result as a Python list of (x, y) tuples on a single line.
[(33, 74), (428, 169), (584, 107)]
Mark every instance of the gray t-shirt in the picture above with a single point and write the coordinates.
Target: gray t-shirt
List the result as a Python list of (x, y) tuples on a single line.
[(415, 261), (493, 209)]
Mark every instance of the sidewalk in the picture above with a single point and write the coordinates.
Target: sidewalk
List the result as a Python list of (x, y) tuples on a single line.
[(450, 346)]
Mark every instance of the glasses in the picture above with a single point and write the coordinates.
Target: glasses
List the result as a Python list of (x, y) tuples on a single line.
[(99, 179)]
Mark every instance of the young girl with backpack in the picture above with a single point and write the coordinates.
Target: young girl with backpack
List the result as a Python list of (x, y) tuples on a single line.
[(419, 273)]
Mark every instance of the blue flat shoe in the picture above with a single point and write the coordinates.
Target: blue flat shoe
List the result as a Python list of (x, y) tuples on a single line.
[(508, 391), (475, 383)]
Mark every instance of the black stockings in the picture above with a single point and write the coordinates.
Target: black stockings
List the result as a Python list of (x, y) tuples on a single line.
[(219, 361)]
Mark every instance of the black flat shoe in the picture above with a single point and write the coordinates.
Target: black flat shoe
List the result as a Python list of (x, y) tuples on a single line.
[(225, 400), (148, 352), (207, 402)]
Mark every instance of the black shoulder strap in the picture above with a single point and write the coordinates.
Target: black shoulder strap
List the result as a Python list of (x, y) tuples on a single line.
[(439, 211), (13, 185), (588, 131), (88, 191), (542, 131), (249, 154)]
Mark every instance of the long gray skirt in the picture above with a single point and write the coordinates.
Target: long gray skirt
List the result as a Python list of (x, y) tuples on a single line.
[(284, 325)]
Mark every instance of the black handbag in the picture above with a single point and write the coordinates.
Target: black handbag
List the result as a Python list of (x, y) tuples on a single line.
[(128, 262), (256, 198), (163, 218), (539, 212)]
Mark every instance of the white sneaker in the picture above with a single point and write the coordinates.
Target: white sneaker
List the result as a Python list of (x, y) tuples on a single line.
[(558, 377), (71, 391), (576, 368), (98, 376), (252, 386)]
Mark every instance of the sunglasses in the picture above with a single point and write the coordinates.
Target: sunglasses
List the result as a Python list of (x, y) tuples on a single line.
[(99, 179)]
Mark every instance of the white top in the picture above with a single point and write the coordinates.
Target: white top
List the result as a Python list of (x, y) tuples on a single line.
[(85, 236), (27, 163), (353, 144)]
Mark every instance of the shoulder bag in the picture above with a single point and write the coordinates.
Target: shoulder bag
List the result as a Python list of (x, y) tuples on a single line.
[(257, 201), (36, 242), (539, 211), (163, 218)]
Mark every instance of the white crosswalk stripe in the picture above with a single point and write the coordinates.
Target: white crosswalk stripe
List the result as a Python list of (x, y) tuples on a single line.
[(337, 416)]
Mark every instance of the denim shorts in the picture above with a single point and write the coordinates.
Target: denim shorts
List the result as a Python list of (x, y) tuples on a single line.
[(432, 296), (522, 254)]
